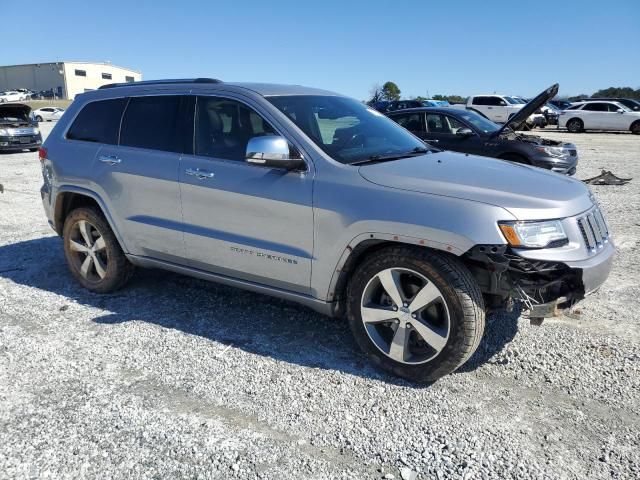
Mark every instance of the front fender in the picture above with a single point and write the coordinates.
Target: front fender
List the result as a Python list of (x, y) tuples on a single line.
[(347, 216)]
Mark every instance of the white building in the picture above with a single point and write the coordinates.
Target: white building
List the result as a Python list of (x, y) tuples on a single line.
[(66, 79)]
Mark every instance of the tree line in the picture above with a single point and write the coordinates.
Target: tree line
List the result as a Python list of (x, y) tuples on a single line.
[(390, 92)]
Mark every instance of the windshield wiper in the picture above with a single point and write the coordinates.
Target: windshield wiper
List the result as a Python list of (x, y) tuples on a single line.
[(393, 156)]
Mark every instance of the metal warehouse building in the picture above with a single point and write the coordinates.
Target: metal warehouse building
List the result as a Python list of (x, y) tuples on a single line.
[(66, 79)]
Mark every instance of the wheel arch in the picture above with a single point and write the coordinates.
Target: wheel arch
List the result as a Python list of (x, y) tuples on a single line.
[(70, 198), (633, 124), (572, 119), (365, 245)]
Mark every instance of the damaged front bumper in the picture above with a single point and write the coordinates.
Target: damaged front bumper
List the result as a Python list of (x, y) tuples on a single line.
[(545, 286)]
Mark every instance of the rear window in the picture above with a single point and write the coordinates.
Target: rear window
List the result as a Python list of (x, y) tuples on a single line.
[(153, 123), (98, 122)]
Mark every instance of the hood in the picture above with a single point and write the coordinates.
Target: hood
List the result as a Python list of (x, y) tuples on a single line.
[(528, 193), (15, 110), (530, 108)]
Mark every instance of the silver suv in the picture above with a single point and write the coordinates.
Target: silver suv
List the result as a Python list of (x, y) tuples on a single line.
[(316, 198)]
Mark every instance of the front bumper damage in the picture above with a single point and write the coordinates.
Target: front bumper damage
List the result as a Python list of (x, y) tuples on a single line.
[(545, 288)]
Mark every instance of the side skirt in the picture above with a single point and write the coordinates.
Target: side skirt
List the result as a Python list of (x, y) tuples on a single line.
[(320, 306)]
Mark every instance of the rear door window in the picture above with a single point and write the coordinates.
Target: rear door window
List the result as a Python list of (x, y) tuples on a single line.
[(156, 123), (98, 122), (596, 107)]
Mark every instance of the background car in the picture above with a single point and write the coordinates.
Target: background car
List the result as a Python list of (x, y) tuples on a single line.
[(560, 104), (469, 132), (630, 103), (48, 114), (497, 108), (435, 103), (12, 96), (599, 116), (18, 130)]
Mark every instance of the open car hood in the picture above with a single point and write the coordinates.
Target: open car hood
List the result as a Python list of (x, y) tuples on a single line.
[(521, 115), (15, 110)]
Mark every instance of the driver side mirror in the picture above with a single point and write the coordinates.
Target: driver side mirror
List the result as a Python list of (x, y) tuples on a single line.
[(273, 151), (465, 132), (620, 110)]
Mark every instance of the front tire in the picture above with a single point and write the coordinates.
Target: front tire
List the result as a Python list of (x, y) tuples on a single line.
[(38, 119), (416, 313), (635, 128), (575, 125), (93, 253)]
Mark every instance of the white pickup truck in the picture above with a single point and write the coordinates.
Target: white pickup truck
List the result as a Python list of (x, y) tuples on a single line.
[(497, 108)]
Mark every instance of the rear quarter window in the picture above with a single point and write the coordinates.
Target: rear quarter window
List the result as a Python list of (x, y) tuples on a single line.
[(98, 122)]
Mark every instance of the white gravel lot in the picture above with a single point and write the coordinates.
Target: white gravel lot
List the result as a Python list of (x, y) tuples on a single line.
[(178, 378)]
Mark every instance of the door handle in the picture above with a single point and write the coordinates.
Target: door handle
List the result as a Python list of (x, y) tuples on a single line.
[(110, 159), (435, 140), (200, 174)]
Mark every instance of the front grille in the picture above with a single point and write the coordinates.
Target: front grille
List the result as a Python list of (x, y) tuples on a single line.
[(594, 230)]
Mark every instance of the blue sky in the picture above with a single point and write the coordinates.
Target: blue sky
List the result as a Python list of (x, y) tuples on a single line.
[(450, 47)]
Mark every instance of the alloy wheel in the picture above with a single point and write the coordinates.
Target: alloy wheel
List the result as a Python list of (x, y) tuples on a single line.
[(90, 251), (405, 315)]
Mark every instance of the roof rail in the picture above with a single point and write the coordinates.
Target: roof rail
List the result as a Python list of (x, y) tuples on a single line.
[(161, 82)]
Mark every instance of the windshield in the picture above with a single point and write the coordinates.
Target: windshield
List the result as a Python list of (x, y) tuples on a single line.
[(345, 129), (478, 121), (512, 100)]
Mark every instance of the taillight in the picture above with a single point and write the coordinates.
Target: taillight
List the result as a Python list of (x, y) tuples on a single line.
[(42, 154)]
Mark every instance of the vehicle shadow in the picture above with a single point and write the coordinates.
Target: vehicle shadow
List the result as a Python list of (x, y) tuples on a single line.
[(256, 323)]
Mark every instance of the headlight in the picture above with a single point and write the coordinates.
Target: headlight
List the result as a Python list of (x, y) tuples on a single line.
[(532, 234), (558, 152), (3, 131), (36, 131)]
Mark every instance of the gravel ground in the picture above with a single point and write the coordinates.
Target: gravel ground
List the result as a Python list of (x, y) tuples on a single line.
[(177, 378)]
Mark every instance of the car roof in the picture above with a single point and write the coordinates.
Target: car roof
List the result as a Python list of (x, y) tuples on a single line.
[(264, 89)]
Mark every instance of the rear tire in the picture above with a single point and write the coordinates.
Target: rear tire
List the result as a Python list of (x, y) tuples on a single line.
[(38, 119), (635, 127), (93, 253), (575, 125), (420, 342)]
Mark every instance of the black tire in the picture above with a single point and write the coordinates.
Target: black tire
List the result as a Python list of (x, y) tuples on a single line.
[(38, 119), (118, 269), (575, 125), (635, 127), (458, 288)]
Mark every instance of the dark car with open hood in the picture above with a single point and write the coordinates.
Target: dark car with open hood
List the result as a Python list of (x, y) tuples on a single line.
[(468, 132), (18, 131)]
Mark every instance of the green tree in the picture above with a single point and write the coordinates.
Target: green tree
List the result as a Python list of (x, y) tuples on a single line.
[(451, 98), (617, 92), (390, 91)]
